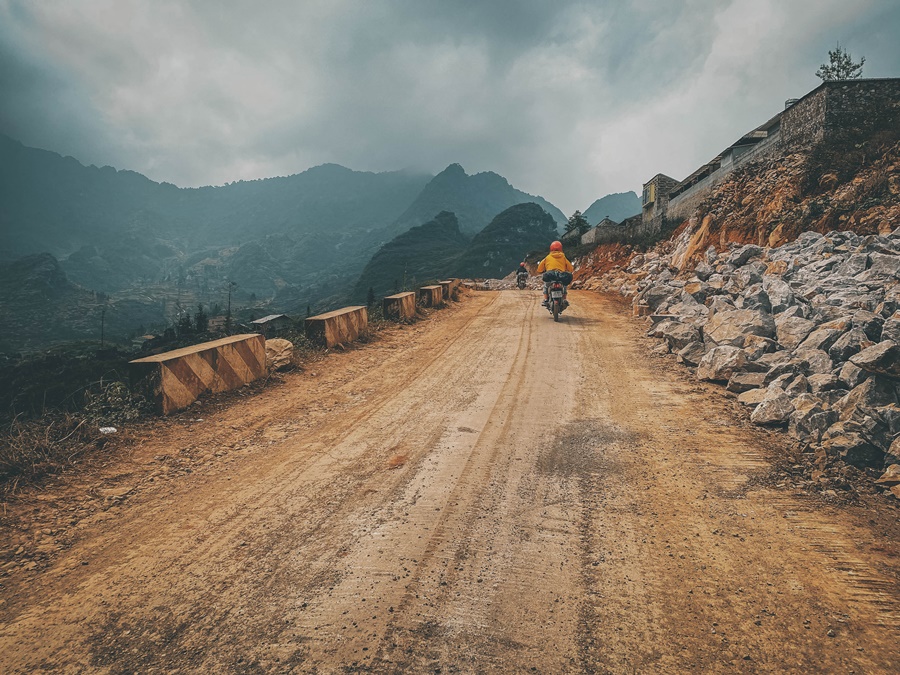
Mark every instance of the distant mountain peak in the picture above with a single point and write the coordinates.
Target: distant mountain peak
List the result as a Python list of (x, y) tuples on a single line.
[(475, 199), (616, 206)]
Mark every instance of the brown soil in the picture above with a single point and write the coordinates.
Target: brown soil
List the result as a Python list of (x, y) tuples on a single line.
[(488, 491)]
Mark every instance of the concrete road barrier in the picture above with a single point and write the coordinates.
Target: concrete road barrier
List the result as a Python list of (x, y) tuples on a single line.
[(447, 288), (177, 378), (400, 306), (455, 285), (432, 296), (337, 327)]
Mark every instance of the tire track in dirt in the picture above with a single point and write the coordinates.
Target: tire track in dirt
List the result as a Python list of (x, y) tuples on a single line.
[(499, 493)]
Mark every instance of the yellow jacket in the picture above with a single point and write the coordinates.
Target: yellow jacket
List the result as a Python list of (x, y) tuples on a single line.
[(555, 261)]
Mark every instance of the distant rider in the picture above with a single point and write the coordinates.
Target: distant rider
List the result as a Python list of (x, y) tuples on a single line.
[(555, 267), (522, 269)]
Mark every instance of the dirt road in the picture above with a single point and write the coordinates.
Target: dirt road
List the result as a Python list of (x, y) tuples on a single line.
[(485, 492)]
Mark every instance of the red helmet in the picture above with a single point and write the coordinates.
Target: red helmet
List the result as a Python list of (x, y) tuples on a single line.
[(521, 264), (556, 246)]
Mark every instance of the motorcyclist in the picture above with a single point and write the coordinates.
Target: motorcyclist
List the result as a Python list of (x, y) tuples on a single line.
[(521, 275), (556, 262)]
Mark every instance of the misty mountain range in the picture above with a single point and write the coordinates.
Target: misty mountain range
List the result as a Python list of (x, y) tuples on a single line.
[(440, 249), (285, 242)]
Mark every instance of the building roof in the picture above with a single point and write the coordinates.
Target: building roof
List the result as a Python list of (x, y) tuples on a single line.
[(271, 317)]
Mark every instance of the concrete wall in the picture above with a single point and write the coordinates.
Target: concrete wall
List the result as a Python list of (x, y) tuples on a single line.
[(400, 306), (431, 296), (177, 378), (337, 327)]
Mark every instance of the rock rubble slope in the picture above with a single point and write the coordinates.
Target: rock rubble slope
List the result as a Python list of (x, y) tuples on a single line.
[(806, 334)]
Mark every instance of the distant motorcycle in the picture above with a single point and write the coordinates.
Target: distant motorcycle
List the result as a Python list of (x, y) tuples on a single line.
[(521, 278), (558, 300)]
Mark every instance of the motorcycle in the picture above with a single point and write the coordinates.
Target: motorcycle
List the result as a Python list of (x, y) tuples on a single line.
[(558, 300), (521, 278)]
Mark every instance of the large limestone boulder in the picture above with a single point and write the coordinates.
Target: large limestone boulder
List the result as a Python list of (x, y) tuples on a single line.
[(821, 338), (893, 454), (875, 392), (704, 271), (692, 353), (790, 331), (814, 361), (756, 346), (810, 419), (883, 358), (720, 363), (890, 477), (820, 382), (753, 397), (733, 327), (780, 294), (871, 324), (775, 409), (884, 265), (679, 335), (891, 329), (655, 295), (846, 440), (719, 303), (848, 344), (852, 375), (696, 290), (740, 256), (741, 382), (279, 354)]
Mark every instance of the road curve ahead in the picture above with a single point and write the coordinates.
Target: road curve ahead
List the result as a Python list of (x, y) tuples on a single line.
[(485, 492)]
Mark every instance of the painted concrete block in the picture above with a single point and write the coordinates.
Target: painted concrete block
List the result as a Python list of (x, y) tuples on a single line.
[(177, 378), (455, 285), (447, 288), (432, 296), (337, 327), (400, 306)]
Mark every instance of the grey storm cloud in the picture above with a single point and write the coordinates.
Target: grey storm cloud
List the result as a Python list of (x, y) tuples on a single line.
[(570, 100)]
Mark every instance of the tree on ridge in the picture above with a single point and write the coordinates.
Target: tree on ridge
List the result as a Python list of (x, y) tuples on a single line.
[(840, 66)]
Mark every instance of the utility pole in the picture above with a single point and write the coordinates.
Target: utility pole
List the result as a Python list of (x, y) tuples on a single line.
[(231, 286)]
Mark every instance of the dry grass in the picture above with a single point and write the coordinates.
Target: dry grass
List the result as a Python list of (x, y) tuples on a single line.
[(32, 449)]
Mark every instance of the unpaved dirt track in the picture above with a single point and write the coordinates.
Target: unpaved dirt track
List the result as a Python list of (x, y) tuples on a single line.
[(492, 492)]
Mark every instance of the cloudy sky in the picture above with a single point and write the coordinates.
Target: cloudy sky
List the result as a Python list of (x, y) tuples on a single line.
[(570, 100)]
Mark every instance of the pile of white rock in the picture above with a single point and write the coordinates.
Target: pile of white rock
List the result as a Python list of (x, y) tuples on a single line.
[(806, 335), (508, 283)]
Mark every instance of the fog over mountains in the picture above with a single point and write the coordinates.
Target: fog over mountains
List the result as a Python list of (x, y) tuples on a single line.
[(286, 242)]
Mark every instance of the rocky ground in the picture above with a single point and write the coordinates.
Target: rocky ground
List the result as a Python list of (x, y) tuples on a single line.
[(507, 283), (806, 335)]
